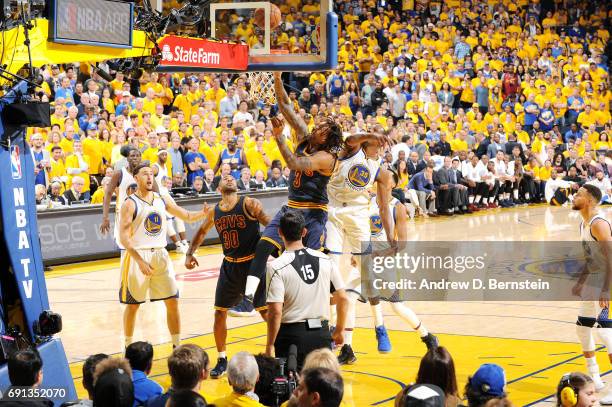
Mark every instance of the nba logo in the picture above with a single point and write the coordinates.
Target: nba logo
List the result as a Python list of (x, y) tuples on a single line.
[(15, 162)]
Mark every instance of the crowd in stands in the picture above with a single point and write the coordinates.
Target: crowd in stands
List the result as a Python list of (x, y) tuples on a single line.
[(486, 103), (124, 382)]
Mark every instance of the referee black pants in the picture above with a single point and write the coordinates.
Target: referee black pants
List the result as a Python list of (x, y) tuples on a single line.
[(305, 339)]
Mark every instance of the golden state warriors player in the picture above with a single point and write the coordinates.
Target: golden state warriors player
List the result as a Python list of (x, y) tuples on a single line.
[(121, 180), (378, 233), (596, 236), (311, 167), (146, 268), (237, 220), (348, 226)]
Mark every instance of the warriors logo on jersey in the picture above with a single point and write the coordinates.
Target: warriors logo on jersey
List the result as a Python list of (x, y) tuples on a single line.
[(376, 226), (358, 177), (153, 224)]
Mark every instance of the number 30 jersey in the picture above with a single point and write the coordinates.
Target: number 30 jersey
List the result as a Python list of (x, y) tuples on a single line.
[(238, 231)]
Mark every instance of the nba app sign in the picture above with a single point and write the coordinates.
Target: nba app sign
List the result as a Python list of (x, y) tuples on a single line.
[(92, 22)]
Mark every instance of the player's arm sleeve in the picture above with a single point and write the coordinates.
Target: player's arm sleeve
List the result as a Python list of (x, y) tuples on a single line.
[(276, 286)]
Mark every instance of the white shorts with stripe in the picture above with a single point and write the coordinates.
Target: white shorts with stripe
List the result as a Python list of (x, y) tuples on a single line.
[(348, 228), (136, 287)]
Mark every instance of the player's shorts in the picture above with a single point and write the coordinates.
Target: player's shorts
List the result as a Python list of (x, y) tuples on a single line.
[(592, 311), (315, 228), (232, 283), (350, 225), (136, 287)]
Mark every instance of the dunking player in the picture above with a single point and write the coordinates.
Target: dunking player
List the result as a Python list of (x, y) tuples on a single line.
[(596, 235), (311, 167), (120, 181), (400, 221), (348, 226), (237, 221), (146, 268)]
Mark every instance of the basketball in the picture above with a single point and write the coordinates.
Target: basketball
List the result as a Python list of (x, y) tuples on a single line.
[(275, 17)]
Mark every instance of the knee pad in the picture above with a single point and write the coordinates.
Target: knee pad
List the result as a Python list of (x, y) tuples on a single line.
[(585, 335)]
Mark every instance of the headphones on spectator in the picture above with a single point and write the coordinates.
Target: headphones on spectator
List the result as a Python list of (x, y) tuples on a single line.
[(568, 393)]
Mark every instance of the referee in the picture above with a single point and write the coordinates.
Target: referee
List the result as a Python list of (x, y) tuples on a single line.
[(299, 285)]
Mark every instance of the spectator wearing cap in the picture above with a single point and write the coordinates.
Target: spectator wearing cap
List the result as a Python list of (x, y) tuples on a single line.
[(489, 382), (25, 370), (125, 103), (92, 147), (113, 383), (140, 356), (421, 395)]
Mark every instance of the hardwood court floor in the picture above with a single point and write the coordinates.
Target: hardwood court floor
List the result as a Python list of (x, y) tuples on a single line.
[(534, 342)]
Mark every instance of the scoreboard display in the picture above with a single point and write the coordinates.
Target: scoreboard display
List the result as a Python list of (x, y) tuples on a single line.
[(92, 22)]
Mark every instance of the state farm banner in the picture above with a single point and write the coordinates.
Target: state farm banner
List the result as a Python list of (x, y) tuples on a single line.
[(185, 52)]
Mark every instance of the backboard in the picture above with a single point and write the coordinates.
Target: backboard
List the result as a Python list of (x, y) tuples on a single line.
[(306, 40)]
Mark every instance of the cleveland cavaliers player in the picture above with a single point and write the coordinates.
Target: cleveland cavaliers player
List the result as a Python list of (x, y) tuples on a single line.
[(596, 236), (237, 220)]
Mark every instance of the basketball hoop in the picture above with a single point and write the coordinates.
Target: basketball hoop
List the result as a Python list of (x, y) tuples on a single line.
[(262, 84), (262, 87)]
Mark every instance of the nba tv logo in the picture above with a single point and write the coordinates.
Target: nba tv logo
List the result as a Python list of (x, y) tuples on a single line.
[(15, 162)]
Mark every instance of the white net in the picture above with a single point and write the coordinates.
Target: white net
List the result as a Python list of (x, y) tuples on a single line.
[(262, 87)]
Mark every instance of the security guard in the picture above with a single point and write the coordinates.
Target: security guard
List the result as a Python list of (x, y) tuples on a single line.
[(299, 285)]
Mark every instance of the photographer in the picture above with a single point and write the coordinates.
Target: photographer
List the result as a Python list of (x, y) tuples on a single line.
[(300, 282)]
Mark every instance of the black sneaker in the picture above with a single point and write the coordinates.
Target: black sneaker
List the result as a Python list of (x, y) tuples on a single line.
[(219, 369), (347, 356), (430, 340)]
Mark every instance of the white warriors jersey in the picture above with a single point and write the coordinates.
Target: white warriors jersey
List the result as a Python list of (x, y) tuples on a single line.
[(127, 180), (376, 226), (148, 230), (162, 173), (352, 180), (594, 255)]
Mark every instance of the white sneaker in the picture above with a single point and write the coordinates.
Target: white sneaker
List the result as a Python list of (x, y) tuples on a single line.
[(599, 384), (606, 400), (181, 248)]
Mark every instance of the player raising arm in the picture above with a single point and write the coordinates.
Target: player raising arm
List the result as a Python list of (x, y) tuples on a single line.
[(311, 166)]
